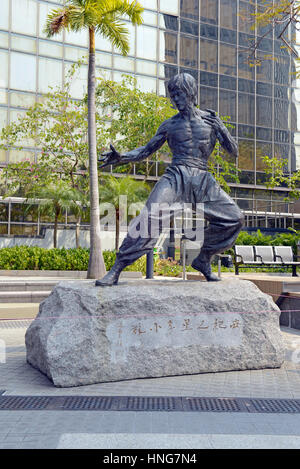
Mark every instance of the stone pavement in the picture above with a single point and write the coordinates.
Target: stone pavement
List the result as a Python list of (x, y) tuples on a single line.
[(132, 430)]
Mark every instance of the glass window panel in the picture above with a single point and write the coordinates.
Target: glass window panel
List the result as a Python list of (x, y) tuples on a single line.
[(152, 4), (124, 63), (246, 11), (228, 104), (281, 114), (209, 79), (227, 59), (296, 151), (168, 22), (208, 55), (146, 84), (189, 27), (119, 76), (281, 136), (76, 53), (265, 44), (168, 71), (265, 89), (189, 52), (3, 117), (246, 108), (246, 154), (15, 116), (103, 60), (23, 44), (146, 67), (79, 38), (228, 14), (146, 42), (208, 98), (262, 149), (189, 9), (45, 9), (227, 82), (150, 18), (209, 11), (247, 86), (24, 16), (244, 69), (227, 35), (281, 92), (22, 100), (3, 69), (162, 88), (264, 71), (50, 74), (79, 82), (23, 72), (3, 97), (296, 138), (263, 134), (4, 10), (50, 49), (209, 31), (4, 40), (168, 47), (264, 111), (246, 40), (282, 70), (246, 131), (282, 152), (169, 6)]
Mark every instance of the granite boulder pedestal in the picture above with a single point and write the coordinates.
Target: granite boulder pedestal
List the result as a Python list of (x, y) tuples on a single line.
[(153, 328)]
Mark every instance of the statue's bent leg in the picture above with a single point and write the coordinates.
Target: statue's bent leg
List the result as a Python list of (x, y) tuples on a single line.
[(225, 222), (144, 230)]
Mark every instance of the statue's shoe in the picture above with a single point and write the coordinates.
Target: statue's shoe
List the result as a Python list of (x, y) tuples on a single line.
[(205, 268), (111, 278)]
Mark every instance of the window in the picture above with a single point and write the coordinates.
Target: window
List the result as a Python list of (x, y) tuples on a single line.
[(4, 9), (246, 154), (146, 42), (228, 14), (189, 52), (189, 9), (208, 55), (24, 16), (227, 60), (169, 6), (209, 11), (246, 108), (50, 74), (168, 47), (264, 111), (23, 71), (228, 104), (3, 69)]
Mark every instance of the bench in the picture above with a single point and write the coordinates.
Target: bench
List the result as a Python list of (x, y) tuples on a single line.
[(251, 257)]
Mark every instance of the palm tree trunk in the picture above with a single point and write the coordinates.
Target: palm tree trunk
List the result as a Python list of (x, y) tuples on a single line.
[(77, 232), (96, 268), (117, 229), (55, 228)]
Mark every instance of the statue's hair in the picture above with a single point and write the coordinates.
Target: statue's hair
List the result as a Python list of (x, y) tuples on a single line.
[(185, 82)]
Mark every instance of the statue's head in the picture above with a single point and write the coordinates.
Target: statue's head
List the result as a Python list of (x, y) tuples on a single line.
[(183, 90)]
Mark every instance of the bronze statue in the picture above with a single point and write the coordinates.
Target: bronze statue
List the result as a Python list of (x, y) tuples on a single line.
[(191, 135)]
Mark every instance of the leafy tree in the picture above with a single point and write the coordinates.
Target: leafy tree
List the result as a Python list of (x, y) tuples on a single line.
[(54, 199), (103, 17), (113, 188)]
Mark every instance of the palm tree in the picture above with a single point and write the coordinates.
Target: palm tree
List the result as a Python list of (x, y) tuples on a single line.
[(54, 199), (113, 188), (103, 17)]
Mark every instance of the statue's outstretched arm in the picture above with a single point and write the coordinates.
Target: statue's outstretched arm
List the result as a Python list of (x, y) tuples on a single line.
[(139, 154), (222, 133)]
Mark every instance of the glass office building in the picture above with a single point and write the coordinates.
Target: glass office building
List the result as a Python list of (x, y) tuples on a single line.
[(206, 38)]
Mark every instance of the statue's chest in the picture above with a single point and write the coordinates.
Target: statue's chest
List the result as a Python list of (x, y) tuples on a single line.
[(193, 131)]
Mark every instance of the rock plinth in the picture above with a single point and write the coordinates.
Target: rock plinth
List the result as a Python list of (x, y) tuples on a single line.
[(151, 328)]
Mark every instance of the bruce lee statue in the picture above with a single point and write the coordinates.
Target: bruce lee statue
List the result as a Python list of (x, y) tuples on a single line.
[(191, 135)]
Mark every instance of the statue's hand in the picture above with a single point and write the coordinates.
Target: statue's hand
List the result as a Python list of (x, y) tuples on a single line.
[(109, 157), (213, 120)]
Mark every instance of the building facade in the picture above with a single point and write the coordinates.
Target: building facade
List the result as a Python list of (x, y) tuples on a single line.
[(208, 39)]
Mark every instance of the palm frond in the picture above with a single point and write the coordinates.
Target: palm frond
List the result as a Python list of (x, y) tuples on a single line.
[(119, 8), (56, 21), (116, 32)]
